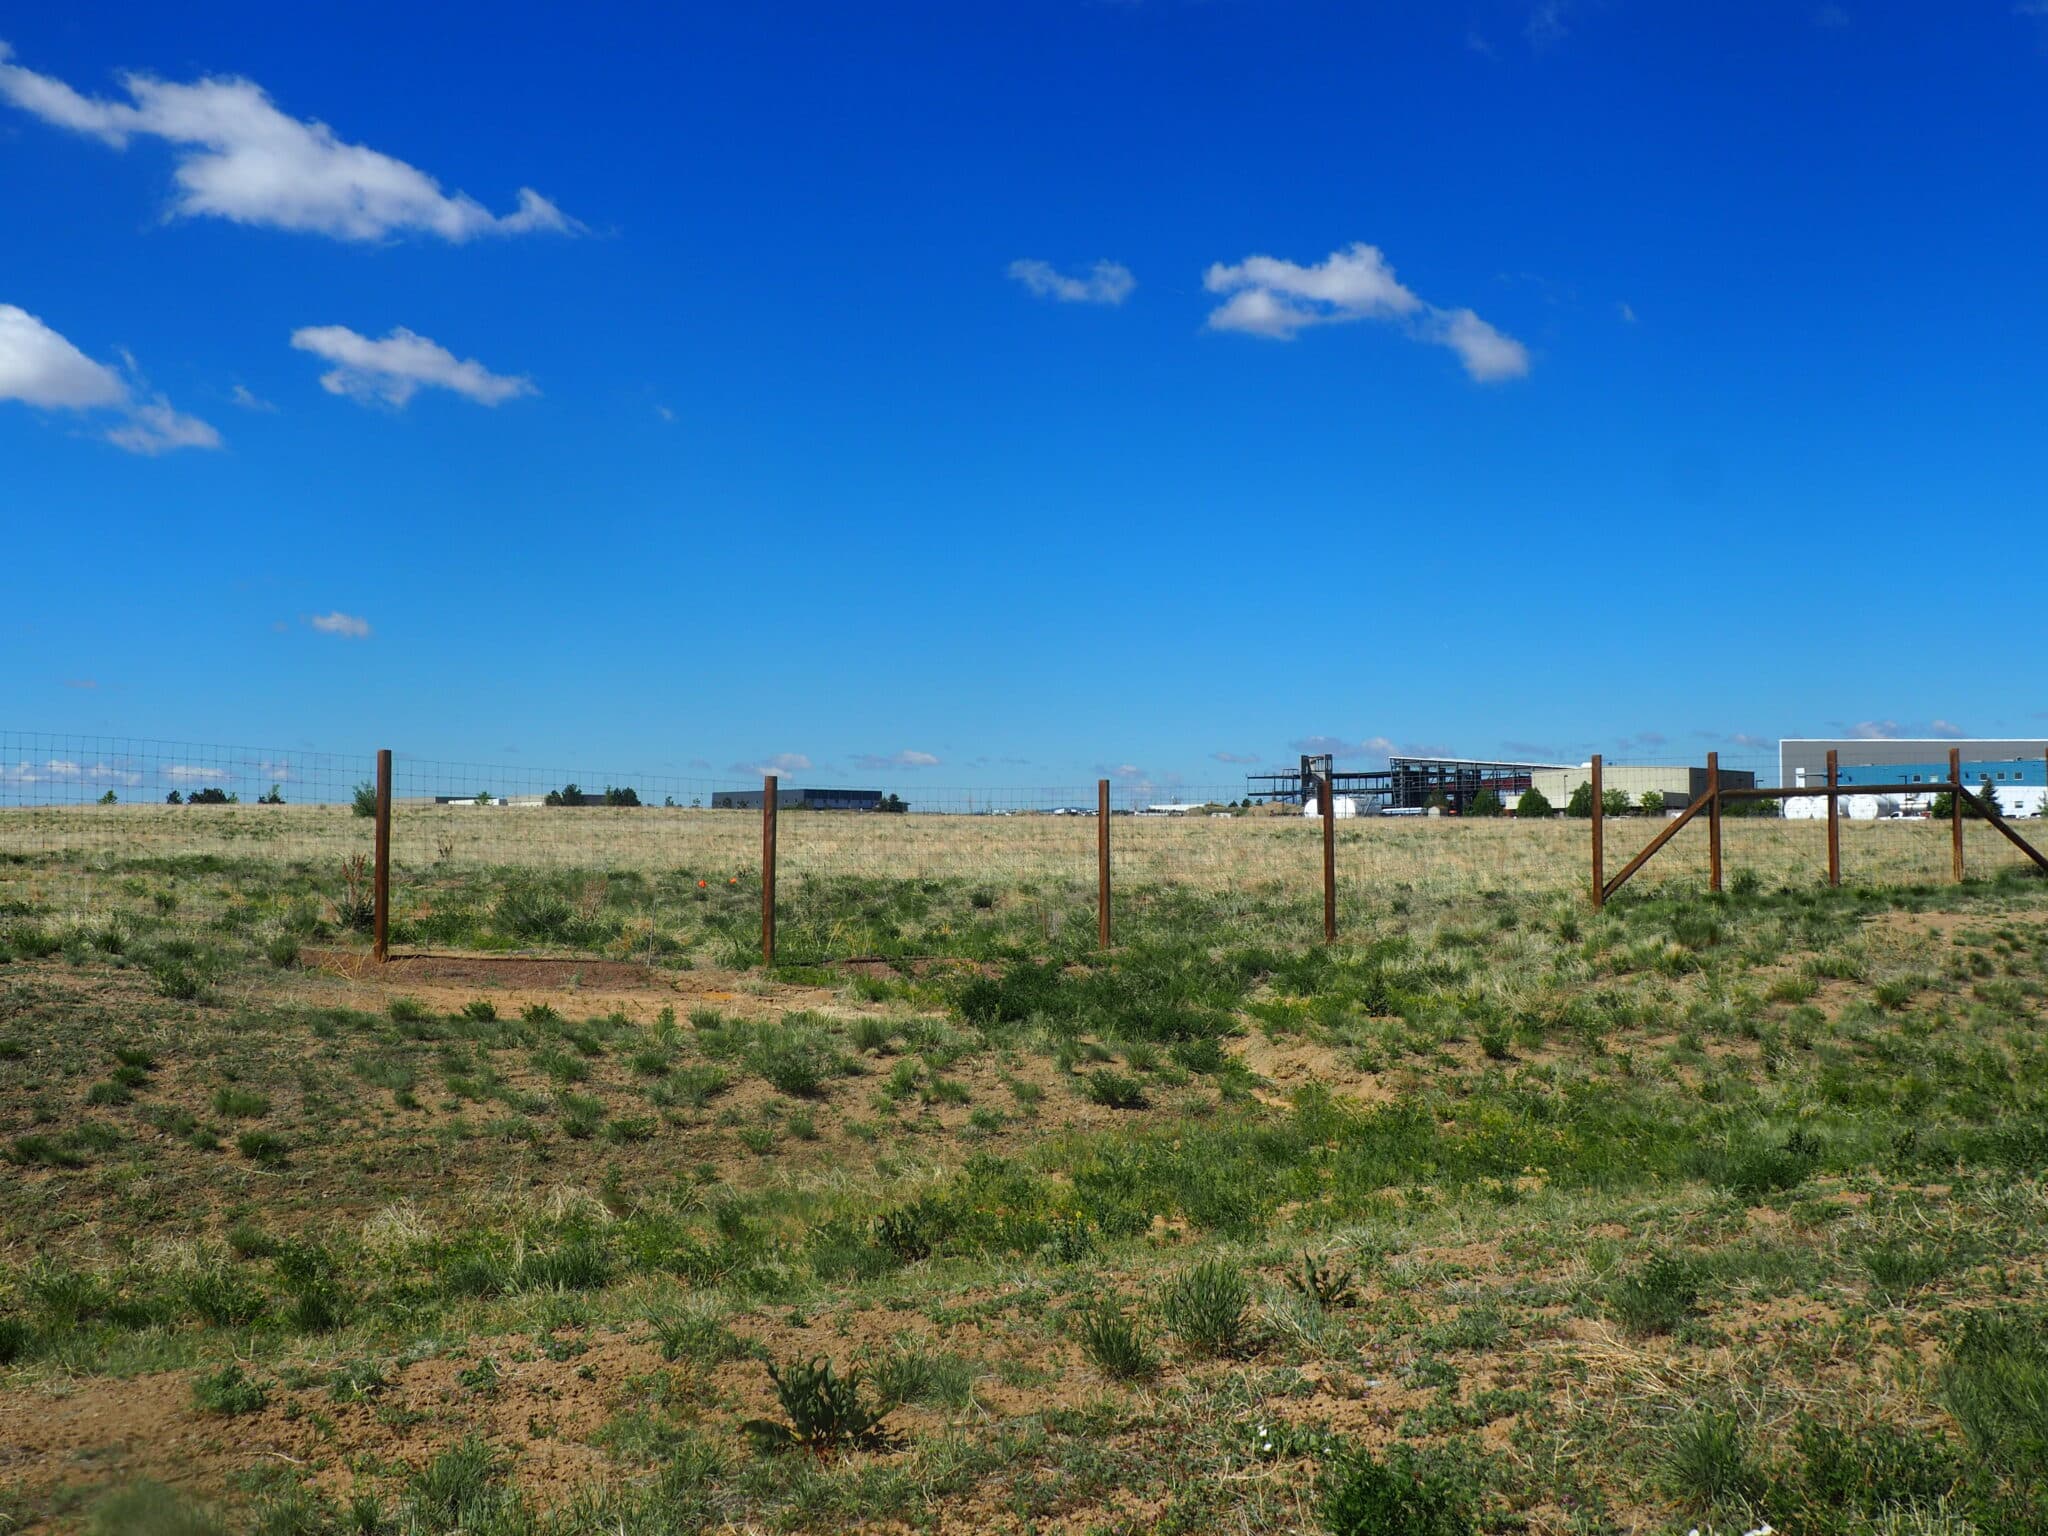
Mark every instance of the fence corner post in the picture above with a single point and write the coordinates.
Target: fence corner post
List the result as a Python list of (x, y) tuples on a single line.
[(1329, 810), (768, 799), (1599, 841), (381, 884), (1955, 812), (1102, 863), (1834, 820), (1713, 821)]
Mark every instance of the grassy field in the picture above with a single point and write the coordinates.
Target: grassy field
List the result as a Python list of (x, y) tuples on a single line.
[(1496, 1216)]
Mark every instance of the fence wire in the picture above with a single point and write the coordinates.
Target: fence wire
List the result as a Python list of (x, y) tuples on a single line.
[(667, 868)]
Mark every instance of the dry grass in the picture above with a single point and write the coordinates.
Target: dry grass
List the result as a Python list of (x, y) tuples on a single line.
[(1433, 858)]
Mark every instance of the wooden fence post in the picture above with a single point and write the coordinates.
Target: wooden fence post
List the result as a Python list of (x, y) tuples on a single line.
[(1102, 862), (1329, 809), (381, 887), (1599, 841), (768, 798), (1955, 812), (1713, 821), (1834, 820)]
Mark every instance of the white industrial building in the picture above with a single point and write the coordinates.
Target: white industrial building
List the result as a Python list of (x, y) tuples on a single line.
[(2014, 772)]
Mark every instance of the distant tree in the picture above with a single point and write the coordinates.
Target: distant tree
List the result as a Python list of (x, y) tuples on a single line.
[(108, 798), (1944, 804), (568, 794), (1437, 801), (210, 796), (1485, 803), (484, 797), (626, 796), (174, 798), (1581, 802), (1747, 807), (275, 797), (893, 804), (668, 802), (1652, 802), (1614, 802), (364, 802), (1533, 803)]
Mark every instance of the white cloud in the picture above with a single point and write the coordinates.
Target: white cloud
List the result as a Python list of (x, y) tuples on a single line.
[(904, 759), (1276, 299), (81, 682), (155, 428), (248, 400), (1626, 310), (185, 773), (1107, 282), (780, 764), (58, 771), (664, 413), (239, 158), (347, 625), (1235, 757), (399, 366), (41, 368)]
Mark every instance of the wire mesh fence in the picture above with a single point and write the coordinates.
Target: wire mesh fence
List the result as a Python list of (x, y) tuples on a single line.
[(668, 869)]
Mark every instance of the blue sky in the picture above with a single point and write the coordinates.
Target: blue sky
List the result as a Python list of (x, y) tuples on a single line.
[(1041, 389)]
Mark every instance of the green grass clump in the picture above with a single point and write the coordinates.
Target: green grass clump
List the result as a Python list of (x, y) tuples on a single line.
[(825, 1409), (1363, 1495), (228, 1392), (1113, 1343), (1657, 1297), (1208, 1309), (240, 1103)]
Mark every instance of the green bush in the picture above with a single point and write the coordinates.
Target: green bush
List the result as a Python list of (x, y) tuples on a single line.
[(1485, 803), (364, 801), (1534, 803)]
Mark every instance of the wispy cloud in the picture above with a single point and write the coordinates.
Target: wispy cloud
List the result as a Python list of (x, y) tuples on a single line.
[(780, 764), (1892, 730), (1107, 282), (1277, 299), (240, 158), (346, 625), (81, 682), (399, 366), (907, 758), (154, 428), (41, 368), (190, 773), (1344, 747), (248, 400), (1235, 757)]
